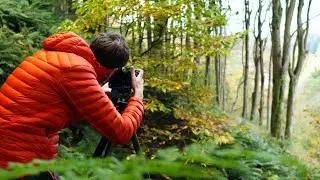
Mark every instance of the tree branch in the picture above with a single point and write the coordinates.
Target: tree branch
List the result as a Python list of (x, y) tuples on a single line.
[(293, 64), (238, 89), (308, 26), (157, 41), (306, 22)]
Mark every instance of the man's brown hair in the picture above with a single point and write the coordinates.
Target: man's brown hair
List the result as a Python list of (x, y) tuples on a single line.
[(110, 49)]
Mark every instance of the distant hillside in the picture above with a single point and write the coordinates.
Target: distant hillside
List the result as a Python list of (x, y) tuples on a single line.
[(313, 43)]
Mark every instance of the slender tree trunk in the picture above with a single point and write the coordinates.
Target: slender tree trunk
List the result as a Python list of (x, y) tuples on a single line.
[(218, 78), (174, 44), (246, 66), (255, 94), (195, 40), (262, 85), (256, 57), (295, 69), (291, 98), (269, 92), (149, 32), (174, 37), (222, 65), (276, 59), (140, 38), (188, 46), (207, 71), (219, 73), (69, 7), (197, 58), (181, 38), (162, 36), (262, 45), (207, 77), (224, 84), (196, 73), (133, 37)]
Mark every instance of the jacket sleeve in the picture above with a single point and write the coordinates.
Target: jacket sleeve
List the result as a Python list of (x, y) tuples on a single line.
[(83, 92)]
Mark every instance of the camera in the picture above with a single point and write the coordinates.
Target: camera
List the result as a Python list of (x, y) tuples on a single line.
[(120, 81)]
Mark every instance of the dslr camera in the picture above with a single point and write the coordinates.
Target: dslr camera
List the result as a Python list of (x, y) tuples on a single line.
[(120, 84), (120, 81)]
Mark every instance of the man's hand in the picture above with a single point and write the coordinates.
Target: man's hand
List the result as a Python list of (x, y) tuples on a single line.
[(137, 82), (106, 88)]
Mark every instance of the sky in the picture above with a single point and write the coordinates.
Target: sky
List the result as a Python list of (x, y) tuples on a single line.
[(235, 21)]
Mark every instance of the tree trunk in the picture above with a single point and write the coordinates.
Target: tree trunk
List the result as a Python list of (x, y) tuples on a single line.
[(262, 45), (69, 7), (285, 58), (291, 103), (290, 5), (196, 73), (296, 69), (197, 58), (181, 39), (280, 67), (276, 59), (188, 46), (218, 79), (246, 66), (269, 92), (207, 77), (149, 32), (133, 37), (255, 94), (140, 38), (262, 85), (224, 83), (219, 73)]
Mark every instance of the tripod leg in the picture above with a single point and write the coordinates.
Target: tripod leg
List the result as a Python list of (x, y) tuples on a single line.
[(137, 148), (136, 144), (108, 149), (102, 143)]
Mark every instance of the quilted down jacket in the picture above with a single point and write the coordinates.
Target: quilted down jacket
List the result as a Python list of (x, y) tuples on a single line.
[(56, 87)]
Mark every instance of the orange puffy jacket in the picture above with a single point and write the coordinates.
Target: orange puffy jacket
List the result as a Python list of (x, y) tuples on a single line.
[(48, 91)]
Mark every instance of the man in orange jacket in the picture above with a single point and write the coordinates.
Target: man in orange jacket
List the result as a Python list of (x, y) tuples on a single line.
[(58, 86)]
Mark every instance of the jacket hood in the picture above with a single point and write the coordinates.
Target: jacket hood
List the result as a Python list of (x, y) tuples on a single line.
[(70, 42)]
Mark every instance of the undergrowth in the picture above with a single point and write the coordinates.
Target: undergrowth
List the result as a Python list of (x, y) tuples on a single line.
[(249, 157)]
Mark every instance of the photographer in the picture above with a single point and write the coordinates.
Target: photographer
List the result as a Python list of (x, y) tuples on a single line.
[(59, 85)]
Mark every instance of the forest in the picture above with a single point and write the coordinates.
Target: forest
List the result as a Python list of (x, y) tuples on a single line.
[(232, 88)]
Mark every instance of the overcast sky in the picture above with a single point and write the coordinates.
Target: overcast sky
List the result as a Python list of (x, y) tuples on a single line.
[(235, 22)]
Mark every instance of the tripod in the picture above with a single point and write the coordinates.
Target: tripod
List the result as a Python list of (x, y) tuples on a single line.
[(106, 145)]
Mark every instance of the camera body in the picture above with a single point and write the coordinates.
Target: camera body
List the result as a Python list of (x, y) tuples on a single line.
[(120, 81)]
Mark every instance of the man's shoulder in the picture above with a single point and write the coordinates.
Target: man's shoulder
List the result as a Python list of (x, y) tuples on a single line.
[(60, 60)]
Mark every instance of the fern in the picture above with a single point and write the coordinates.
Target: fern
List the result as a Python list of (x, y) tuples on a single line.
[(245, 159)]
